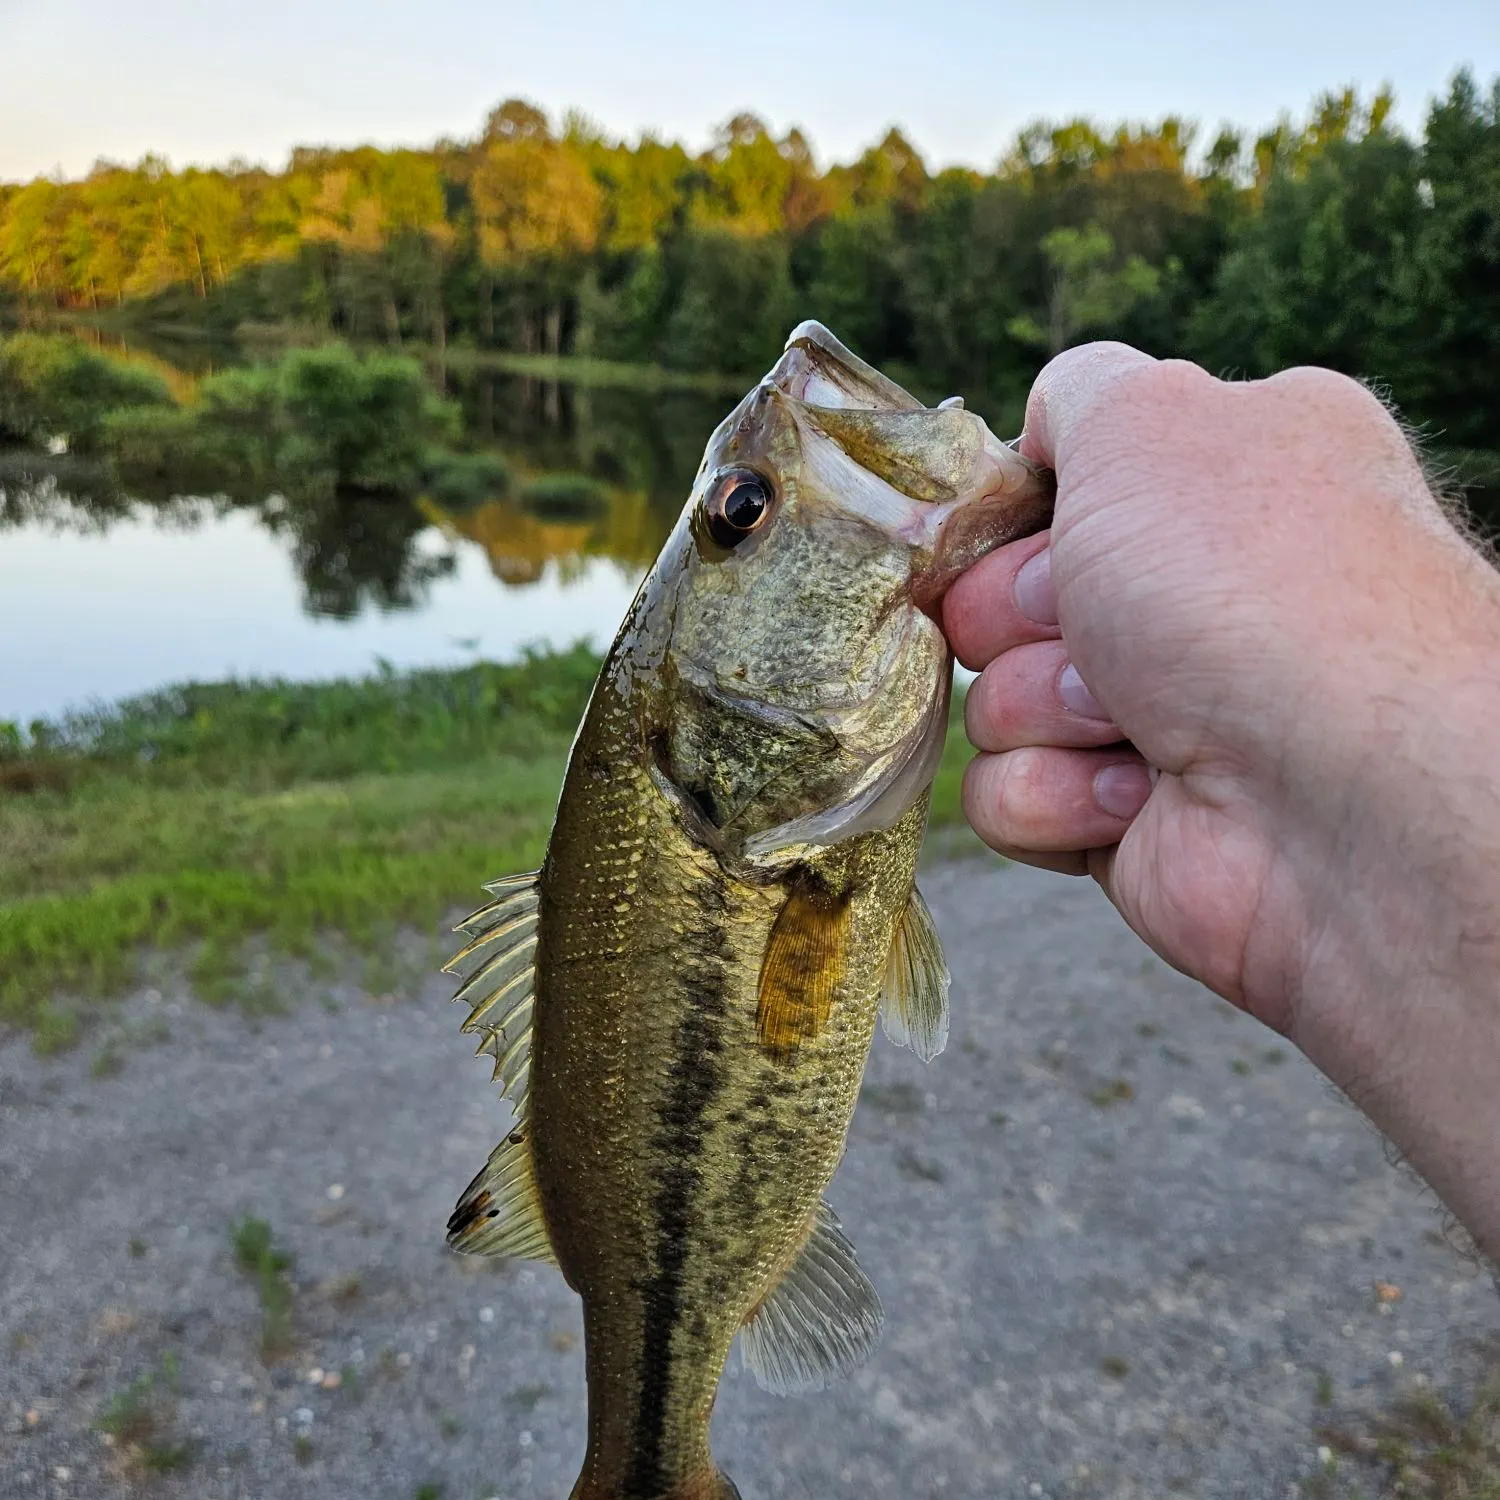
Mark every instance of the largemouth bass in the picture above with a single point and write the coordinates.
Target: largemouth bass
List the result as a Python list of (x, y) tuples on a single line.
[(681, 1001)]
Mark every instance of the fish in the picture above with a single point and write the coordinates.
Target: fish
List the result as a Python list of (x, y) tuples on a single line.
[(681, 1001)]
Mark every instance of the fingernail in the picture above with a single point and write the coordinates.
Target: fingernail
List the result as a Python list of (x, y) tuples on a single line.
[(1121, 789), (1032, 589), (1075, 695)]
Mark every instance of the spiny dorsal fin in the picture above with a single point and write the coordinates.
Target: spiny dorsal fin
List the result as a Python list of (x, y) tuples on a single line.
[(501, 988), (500, 1212), (820, 1321), (914, 1007)]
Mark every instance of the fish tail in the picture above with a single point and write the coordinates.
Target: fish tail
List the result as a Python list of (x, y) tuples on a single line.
[(707, 1484)]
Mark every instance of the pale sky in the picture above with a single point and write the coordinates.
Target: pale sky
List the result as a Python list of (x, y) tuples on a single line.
[(203, 83)]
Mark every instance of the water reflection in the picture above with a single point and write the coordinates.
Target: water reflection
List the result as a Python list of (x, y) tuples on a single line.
[(596, 473)]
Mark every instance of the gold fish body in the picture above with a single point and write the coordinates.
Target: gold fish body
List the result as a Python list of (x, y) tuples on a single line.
[(681, 1002)]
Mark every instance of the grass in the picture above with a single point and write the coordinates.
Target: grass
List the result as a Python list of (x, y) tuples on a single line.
[(139, 1419), (233, 824), (1424, 1446), (256, 1254)]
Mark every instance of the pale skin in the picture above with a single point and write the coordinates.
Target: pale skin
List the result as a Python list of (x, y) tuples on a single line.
[(1252, 585)]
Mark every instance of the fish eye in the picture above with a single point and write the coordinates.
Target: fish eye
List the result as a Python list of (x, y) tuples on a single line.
[(739, 501)]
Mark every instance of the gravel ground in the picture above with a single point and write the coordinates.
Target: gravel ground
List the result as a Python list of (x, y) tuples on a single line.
[(1128, 1243)]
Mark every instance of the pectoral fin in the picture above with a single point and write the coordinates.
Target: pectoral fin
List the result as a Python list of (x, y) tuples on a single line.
[(819, 1321), (803, 964), (914, 1007), (500, 1212)]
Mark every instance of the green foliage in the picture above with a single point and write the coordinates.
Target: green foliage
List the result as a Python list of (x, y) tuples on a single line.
[(326, 418), (53, 386), (461, 481), (564, 497), (1086, 291)]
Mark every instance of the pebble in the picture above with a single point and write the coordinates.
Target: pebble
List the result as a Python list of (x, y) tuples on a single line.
[(335, 1191), (1325, 1455), (332, 1380), (1396, 1358), (315, 1376), (303, 1416), (62, 1473), (486, 1314)]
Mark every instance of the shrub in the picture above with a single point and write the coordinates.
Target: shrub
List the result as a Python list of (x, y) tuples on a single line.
[(53, 386)]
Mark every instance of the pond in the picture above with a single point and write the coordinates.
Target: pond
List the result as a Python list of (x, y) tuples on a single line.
[(105, 594)]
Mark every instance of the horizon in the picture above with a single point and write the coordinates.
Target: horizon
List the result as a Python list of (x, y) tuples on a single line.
[(196, 92)]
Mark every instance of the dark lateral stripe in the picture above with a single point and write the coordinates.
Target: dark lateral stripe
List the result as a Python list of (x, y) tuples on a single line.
[(678, 1142)]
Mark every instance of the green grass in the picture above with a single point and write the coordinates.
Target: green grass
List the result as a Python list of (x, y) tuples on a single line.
[(140, 1418), (1424, 1445), (256, 1254), (294, 819)]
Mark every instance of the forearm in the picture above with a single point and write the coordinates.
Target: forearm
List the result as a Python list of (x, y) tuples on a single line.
[(1399, 997)]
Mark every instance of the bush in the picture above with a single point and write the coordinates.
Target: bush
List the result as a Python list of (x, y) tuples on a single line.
[(462, 481), (564, 497), (53, 386)]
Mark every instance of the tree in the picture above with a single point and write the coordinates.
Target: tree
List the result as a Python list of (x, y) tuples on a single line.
[(1084, 290)]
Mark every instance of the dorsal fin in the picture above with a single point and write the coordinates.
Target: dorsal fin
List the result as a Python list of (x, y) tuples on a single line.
[(500, 1211), (914, 1007), (819, 1321)]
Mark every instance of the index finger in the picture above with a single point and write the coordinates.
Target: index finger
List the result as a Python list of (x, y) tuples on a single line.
[(1068, 391)]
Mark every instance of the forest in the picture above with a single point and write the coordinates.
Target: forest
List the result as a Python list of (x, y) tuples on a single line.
[(1338, 240)]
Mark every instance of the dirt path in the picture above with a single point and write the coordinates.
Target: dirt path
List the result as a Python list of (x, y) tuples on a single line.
[(1128, 1244)]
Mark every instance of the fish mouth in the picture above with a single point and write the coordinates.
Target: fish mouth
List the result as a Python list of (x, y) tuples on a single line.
[(816, 369), (936, 477)]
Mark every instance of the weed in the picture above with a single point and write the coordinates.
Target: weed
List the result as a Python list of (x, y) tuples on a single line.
[(428, 1491), (256, 1254), (108, 1061), (449, 1426), (1323, 1395), (137, 1248), (1241, 1067), (1117, 1091), (1115, 1367), (526, 1397), (139, 1419)]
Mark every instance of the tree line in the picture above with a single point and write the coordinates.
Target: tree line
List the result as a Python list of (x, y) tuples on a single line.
[(1338, 240)]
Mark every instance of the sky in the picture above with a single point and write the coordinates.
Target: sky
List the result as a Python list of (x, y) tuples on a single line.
[(201, 83)]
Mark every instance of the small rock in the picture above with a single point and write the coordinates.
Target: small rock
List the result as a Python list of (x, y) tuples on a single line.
[(315, 1376), (335, 1191), (1388, 1291), (1396, 1358), (486, 1314), (332, 1380), (303, 1416), (33, 1416)]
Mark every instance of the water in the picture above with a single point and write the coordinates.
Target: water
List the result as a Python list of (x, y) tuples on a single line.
[(103, 596)]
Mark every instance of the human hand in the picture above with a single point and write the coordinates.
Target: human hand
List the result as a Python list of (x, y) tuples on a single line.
[(1253, 585)]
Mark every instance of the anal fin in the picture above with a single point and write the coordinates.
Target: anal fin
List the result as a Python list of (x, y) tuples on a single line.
[(914, 1007), (500, 1212), (821, 1320)]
